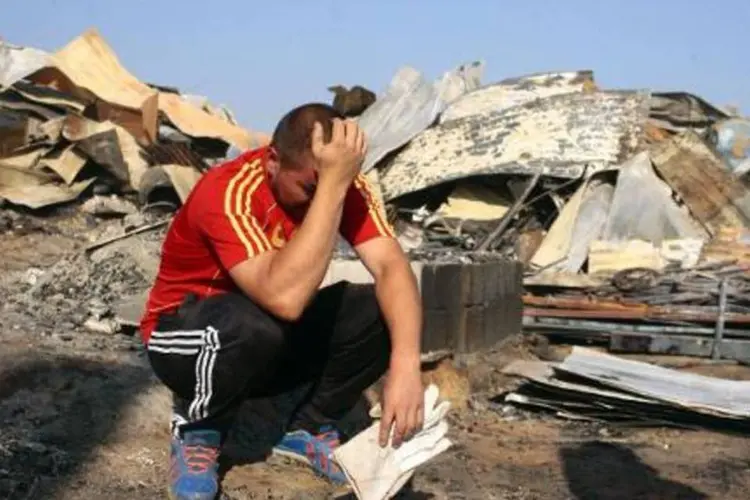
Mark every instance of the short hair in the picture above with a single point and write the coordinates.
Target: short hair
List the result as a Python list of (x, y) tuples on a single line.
[(291, 138)]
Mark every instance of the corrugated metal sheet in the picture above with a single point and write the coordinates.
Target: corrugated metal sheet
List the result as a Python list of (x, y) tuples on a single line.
[(726, 398), (515, 91), (409, 106), (174, 154), (560, 135)]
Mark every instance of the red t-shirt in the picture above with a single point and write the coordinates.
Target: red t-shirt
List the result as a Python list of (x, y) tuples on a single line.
[(231, 215)]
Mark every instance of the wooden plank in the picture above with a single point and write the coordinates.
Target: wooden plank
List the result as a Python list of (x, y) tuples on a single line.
[(698, 175)]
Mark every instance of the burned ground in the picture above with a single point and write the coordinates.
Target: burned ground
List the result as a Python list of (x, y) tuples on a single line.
[(83, 417)]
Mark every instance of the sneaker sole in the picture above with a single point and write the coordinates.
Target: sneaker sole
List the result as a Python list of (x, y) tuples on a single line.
[(304, 461), (291, 455)]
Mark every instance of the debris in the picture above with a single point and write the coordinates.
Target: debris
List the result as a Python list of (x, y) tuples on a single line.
[(680, 111), (76, 123), (18, 62), (351, 102), (560, 136), (710, 191), (474, 201), (484, 245), (408, 107), (589, 225), (642, 310), (43, 195), (108, 206), (732, 141), (127, 234), (611, 257), (638, 185), (515, 91), (105, 326), (597, 386)]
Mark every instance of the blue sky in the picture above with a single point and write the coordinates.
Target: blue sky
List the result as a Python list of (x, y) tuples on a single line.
[(262, 58)]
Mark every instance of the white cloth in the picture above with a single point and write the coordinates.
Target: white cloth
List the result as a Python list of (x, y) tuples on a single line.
[(377, 473)]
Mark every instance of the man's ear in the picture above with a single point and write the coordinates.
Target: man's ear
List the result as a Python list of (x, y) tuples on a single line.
[(273, 163)]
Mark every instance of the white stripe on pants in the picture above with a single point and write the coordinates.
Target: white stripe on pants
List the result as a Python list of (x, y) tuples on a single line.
[(204, 368), (204, 343), (184, 342)]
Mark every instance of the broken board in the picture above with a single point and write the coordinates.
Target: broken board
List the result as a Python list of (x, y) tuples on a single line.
[(715, 197)]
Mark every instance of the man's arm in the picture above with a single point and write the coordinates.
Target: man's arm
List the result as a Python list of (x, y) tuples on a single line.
[(283, 281), (398, 297), (401, 305)]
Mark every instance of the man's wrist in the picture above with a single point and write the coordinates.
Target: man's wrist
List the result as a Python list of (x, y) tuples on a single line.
[(334, 187), (405, 360)]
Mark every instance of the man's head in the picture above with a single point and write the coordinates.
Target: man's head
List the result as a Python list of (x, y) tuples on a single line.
[(292, 166)]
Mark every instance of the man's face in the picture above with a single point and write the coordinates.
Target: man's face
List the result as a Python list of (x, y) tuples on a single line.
[(294, 183)]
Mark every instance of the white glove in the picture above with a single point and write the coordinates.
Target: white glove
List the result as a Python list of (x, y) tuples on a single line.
[(377, 473)]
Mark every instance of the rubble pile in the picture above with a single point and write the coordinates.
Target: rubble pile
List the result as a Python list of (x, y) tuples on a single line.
[(76, 123), (80, 291)]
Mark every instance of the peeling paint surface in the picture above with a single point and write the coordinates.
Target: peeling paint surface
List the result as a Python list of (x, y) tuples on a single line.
[(732, 140), (516, 91), (561, 135)]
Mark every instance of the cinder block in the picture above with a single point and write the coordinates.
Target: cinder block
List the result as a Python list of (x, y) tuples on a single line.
[(467, 307)]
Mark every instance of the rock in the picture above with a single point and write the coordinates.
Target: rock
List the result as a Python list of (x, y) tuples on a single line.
[(105, 326), (97, 309), (32, 275)]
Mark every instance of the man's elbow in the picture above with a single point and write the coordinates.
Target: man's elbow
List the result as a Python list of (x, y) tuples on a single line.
[(286, 307)]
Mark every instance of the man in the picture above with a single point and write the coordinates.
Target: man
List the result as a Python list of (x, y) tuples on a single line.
[(237, 310)]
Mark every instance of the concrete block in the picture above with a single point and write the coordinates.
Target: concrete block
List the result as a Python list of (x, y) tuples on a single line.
[(467, 307)]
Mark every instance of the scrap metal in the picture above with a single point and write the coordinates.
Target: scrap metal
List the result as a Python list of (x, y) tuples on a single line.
[(591, 385), (515, 91), (560, 136)]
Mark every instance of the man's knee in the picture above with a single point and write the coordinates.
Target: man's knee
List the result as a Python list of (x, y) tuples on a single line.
[(240, 324)]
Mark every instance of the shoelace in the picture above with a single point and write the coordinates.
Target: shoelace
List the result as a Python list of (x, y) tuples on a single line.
[(199, 458), (330, 438)]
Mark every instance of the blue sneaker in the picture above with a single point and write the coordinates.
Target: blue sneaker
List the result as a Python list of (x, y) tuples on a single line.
[(315, 450), (194, 466)]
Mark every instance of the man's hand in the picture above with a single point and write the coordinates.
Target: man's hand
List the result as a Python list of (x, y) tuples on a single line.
[(340, 159), (403, 404)]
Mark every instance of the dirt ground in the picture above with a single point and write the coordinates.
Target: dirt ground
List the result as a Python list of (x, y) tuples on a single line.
[(81, 416)]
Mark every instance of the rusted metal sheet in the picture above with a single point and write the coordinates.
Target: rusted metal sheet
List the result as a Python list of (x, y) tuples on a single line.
[(515, 91), (697, 174), (560, 136), (174, 154), (644, 314), (678, 111), (678, 345)]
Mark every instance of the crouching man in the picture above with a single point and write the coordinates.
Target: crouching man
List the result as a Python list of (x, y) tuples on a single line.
[(237, 310)]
